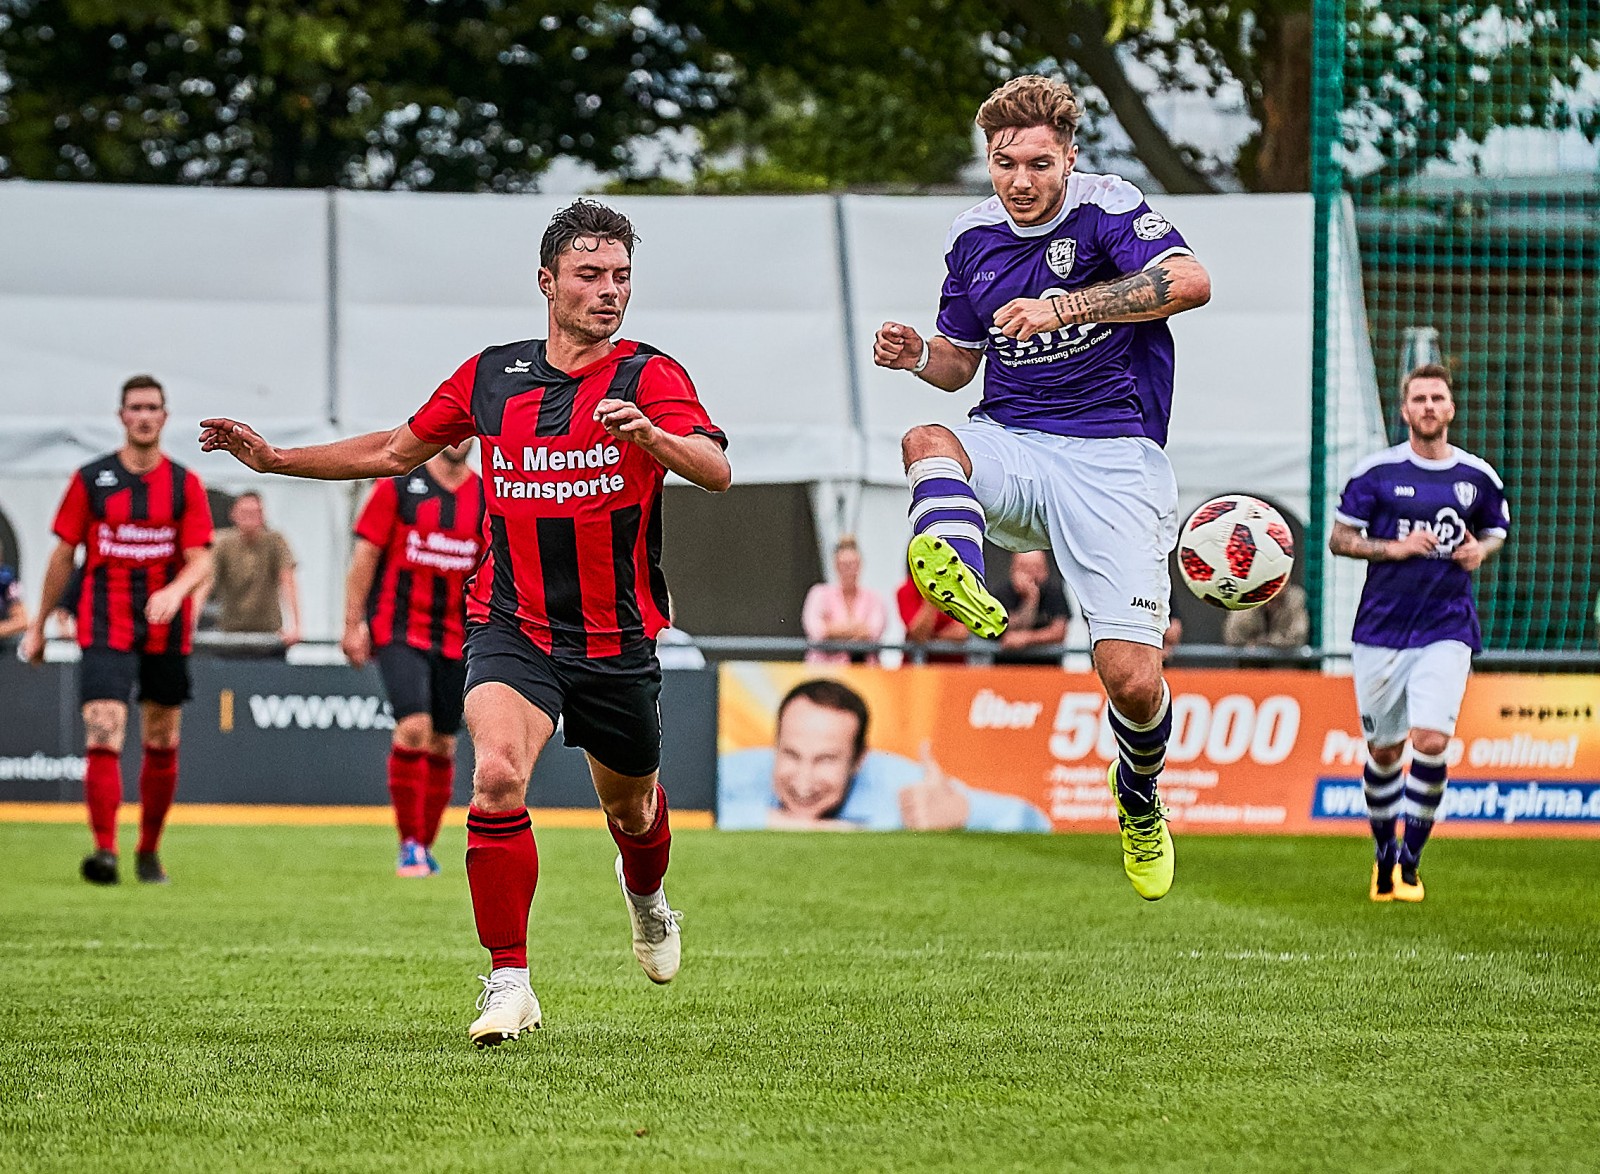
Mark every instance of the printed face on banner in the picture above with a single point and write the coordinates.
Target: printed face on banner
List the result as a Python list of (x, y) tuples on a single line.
[(1251, 751)]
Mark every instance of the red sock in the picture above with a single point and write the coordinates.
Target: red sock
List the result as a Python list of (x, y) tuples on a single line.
[(408, 771), (102, 791), (644, 857), (436, 797), (502, 872), (158, 783)]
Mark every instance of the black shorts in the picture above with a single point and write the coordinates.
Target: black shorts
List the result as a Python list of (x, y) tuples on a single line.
[(423, 682), (107, 675), (609, 707)]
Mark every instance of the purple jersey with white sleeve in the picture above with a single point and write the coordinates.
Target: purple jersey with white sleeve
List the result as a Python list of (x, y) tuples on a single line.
[(1423, 600), (1090, 379)]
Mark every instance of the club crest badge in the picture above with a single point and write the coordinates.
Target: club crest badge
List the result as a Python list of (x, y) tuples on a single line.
[(1061, 255), (1466, 493), (1152, 226)]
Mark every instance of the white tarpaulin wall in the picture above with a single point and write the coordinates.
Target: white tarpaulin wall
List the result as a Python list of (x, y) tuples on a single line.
[(311, 315)]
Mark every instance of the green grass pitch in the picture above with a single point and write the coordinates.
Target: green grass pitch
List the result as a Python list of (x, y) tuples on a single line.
[(894, 1002)]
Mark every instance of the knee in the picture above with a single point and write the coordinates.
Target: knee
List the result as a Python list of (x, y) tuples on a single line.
[(1383, 757), (1430, 742), (413, 731), (932, 440), (1135, 689), (633, 812), (499, 783), (161, 739), (104, 727), (441, 745)]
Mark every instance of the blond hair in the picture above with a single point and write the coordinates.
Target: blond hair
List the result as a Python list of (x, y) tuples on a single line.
[(1027, 101)]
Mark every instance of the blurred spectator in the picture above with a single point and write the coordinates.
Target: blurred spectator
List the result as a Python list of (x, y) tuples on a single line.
[(675, 648), (1171, 638), (1037, 605), (1281, 622), (13, 612), (254, 581), (924, 622), (843, 610)]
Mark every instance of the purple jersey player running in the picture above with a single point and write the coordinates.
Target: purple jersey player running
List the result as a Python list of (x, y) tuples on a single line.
[(1063, 280), (1425, 515)]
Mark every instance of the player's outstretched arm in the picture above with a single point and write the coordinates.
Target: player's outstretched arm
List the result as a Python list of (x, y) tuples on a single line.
[(377, 454), (1166, 288), (697, 459), (899, 347), (1348, 542)]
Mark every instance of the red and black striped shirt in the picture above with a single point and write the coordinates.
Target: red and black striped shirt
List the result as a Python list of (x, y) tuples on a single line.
[(431, 539), (574, 515), (134, 529)]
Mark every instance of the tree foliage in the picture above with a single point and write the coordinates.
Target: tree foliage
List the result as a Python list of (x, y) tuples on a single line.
[(451, 94)]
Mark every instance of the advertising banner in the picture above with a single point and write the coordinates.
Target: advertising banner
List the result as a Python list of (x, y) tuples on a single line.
[(1027, 749)]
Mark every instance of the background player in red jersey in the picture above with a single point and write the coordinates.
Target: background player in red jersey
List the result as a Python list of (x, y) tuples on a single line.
[(418, 540), (578, 432), (145, 527)]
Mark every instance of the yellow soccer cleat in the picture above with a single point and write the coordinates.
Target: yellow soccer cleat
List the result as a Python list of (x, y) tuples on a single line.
[(1148, 856), (1382, 888), (953, 587), (1408, 884)]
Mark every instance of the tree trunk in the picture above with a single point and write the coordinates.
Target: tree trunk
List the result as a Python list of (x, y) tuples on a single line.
[(1283, 157)]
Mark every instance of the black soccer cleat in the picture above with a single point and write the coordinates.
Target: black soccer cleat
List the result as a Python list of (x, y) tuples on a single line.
[(100, 868), (147, 865)]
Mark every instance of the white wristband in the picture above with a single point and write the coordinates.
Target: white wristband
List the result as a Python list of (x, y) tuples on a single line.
[(921, 364)]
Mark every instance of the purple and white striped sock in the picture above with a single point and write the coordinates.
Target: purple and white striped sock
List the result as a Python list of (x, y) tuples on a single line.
[(943, 504), (1424, 791), (1383, 787), (1141, 753)]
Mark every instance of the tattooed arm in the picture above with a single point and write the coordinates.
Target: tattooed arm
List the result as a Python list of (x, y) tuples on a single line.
[(1166, 288), (1350, 542)]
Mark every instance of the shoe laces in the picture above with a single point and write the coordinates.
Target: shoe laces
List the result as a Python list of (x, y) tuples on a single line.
[(658, 921), (494, 989), (1144, 835)]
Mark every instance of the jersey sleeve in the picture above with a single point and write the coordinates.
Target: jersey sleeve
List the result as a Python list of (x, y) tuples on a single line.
[(377, 518), (72, 516), (667, 396), (447, 416), (1357, 502), (1492, 516), (194, 528), (1134, 236), (958, 321)]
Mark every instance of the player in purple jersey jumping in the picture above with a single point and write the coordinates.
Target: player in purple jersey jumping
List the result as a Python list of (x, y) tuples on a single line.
[(1063, 280), (1425, 515)]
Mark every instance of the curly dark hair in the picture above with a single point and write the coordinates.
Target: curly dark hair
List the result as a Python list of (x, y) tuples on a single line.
[(584, 218)]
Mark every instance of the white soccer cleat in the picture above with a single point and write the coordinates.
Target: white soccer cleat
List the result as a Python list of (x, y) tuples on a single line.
[(508, 1008), (656, 941)]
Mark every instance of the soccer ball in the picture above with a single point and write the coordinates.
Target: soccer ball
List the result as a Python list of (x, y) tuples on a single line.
[(1236, 552)]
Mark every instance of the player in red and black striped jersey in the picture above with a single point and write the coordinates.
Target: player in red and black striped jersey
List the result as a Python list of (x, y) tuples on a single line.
[(418, 540), (145, 527), (578, 433)]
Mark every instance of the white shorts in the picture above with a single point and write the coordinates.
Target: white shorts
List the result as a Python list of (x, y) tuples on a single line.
[(1403, 689), (1107, 507)]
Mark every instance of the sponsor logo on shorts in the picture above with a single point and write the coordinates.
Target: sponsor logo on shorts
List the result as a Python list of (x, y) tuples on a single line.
[(1146, 604)]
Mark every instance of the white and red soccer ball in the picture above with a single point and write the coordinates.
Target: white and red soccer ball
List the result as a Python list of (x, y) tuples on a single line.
[(1236, 552)]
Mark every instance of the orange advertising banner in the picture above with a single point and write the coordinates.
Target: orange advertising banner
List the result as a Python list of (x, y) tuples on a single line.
[(1027, 749)]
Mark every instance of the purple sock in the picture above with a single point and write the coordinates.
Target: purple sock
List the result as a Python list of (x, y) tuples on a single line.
[(1383, 787), (1424, 791), (943, 504), (1141, 753)]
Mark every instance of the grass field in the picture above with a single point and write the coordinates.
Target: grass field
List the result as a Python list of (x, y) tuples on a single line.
[(847, 1003)]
